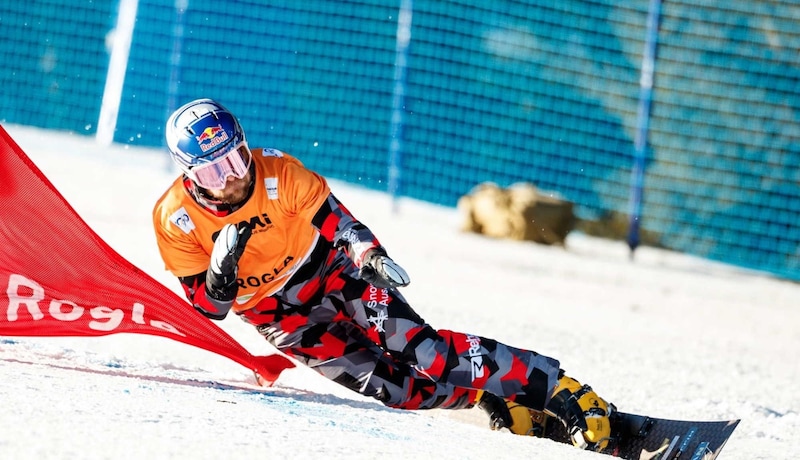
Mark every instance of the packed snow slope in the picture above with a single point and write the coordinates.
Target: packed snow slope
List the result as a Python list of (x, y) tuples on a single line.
[(665, 334)]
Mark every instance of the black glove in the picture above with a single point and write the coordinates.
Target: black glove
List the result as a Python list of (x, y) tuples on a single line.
[(381, 271), (221, 275)]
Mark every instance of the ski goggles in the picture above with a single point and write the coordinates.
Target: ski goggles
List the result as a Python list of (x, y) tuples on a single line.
[(213, 175)]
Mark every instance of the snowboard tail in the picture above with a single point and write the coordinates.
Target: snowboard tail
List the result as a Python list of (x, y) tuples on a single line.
[(639, 437)]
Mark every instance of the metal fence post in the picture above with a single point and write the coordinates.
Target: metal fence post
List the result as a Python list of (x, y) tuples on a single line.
[(643, 123)]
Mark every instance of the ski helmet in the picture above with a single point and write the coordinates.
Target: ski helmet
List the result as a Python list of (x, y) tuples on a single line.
[(202, 133)]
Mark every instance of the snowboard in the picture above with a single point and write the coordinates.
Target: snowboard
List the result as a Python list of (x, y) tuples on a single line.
[(639, 437)]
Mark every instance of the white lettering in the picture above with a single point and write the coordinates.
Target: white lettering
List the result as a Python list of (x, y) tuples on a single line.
[(112, 316), (351, 237), (57, 313), (373, 302), (373, 292), (15, 300), (166, 327), (138, 313), (475, 357), (103, 318)]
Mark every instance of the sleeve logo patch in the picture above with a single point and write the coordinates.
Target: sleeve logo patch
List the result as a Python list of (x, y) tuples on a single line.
[(271, 153), (182, 220)]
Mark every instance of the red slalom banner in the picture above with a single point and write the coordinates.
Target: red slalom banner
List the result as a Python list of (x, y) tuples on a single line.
[(59, 278)]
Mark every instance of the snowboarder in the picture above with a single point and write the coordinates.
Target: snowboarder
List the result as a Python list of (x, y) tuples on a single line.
[(256, 232)]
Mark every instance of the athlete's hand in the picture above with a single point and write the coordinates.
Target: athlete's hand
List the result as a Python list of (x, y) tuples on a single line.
[(381, 271), (224, 265)]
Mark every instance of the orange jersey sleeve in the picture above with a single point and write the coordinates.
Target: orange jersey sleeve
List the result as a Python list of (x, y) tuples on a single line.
[(285, 198)]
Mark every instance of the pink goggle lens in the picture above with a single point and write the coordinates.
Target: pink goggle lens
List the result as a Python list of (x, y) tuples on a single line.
[(214, 175)]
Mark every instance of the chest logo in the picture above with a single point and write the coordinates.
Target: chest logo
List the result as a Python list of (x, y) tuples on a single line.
[(271, 184)]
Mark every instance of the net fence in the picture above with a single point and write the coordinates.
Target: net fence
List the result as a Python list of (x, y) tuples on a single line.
[(503, 91)]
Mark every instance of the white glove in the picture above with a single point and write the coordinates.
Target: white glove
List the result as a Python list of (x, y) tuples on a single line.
[(381, 271)]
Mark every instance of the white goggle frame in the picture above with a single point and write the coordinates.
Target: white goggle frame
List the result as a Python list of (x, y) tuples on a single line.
[(214, 175)]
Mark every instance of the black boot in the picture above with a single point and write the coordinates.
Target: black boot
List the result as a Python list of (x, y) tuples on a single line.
[(583, 413), (508, 414)]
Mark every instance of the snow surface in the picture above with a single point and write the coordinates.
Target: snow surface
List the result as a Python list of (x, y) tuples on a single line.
[(666, 334)]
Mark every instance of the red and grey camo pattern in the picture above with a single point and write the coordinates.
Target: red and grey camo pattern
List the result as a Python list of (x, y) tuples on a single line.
[(371, 341)]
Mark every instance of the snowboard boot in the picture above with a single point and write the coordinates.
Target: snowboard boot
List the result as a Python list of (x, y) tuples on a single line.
[(584, 414), (507, 414)]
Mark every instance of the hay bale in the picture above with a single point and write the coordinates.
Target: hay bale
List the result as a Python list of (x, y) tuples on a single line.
[(519, 212)]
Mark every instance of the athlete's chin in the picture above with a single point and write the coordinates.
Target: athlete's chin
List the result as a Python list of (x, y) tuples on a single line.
[(234, 198), (234, 193)]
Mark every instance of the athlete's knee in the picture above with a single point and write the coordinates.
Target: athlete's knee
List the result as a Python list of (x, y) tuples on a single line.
[(430, 352)]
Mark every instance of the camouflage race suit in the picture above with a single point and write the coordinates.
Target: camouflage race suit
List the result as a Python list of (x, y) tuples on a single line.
[(340, 326), (299, 285)]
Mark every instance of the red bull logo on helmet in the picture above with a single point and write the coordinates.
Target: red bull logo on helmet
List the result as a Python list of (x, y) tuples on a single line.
[(211, 137)]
